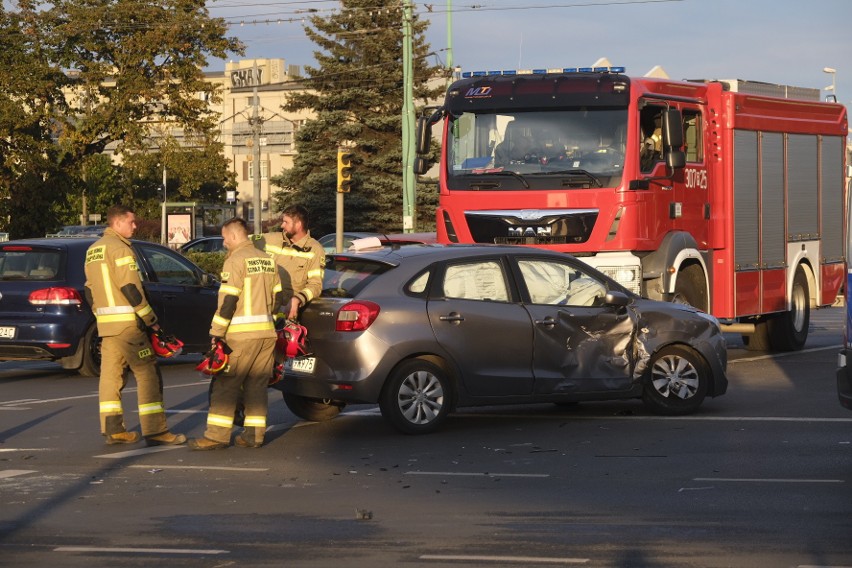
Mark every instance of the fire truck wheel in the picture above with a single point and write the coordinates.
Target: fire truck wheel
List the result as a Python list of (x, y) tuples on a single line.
[(691, 288), (313, 409), (677, 380), (759, 340), (789, 331)]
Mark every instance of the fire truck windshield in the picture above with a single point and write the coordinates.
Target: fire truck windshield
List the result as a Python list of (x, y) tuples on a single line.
[(586, 145)]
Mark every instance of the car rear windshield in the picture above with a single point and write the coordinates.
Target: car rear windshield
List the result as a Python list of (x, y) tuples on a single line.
[(23, 263), (346, 276)]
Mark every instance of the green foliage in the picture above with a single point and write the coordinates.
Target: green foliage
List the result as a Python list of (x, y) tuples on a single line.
[(356, 93), (78, 76), (211, 262)]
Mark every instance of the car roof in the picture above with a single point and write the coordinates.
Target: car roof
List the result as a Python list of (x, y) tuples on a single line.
[(64, 242), (394, 254)]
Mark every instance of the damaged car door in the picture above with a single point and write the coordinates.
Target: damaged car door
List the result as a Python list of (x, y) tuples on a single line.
[(581, 344), (478, 321)]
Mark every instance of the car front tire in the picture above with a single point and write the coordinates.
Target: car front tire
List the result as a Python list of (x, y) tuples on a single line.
[(677, 381), (416, 398)]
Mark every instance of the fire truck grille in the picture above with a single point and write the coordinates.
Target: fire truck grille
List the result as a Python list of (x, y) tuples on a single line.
[(531, 228)]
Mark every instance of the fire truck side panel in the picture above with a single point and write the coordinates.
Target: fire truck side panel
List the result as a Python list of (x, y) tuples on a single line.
[(748, 291), (773, 244), (774, 291), (832, 220), (747, 216)]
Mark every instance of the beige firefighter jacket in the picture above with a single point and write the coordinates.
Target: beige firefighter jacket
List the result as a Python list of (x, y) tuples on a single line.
[(249, 291), (114, 286), (303, 264)]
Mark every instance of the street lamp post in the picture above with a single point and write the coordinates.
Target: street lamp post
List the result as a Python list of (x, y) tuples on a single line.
[(833, 87)]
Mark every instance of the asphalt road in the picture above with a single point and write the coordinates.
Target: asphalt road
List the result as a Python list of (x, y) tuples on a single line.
[(760, 477)]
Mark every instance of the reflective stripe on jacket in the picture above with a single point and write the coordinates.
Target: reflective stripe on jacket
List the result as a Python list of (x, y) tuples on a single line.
[(110, 267), (250, 276)]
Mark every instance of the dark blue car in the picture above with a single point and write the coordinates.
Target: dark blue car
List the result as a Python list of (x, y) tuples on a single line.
[(44, 314)]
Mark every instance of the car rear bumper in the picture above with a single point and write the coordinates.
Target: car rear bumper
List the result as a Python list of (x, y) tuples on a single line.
[(43, 340)]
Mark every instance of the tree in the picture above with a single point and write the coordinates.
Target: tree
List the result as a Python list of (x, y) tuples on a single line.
[(31, 181), (356, 92), (80, 76)]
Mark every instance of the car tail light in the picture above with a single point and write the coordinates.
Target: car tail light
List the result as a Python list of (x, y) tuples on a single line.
[(356, 316), (56, 296)]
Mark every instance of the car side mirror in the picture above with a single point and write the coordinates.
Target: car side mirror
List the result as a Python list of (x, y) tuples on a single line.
[(208, 279), (616, 298)]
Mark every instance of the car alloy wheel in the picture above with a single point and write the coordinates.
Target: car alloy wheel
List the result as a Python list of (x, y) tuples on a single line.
[(415, 397), (677, 382)]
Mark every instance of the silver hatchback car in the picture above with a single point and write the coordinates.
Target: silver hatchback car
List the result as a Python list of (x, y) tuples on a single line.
[(423, 329)]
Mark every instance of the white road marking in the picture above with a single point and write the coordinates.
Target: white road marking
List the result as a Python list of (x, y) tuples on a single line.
[(671, 418), (218, 468), (779, 355), (25, 449), (140, 452), (476, 474), (512, 559), (140, 550), (365, 412), (92, 395), (766, 480), (15, 472)]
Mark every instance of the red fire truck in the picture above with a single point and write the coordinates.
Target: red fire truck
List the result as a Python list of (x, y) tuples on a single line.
[(727, 195)]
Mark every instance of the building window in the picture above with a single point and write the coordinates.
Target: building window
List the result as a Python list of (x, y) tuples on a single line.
[(264, 170)]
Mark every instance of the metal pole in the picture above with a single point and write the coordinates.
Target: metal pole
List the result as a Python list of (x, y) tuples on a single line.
[(255, 136), (449, 34), (163, 221), (408, 149)]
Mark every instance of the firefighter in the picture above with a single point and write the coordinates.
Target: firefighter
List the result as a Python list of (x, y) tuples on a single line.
[(114, 291), (300, 257), (250, 290)]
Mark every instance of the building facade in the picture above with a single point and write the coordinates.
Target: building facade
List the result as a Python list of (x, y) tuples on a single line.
[(246, 122)]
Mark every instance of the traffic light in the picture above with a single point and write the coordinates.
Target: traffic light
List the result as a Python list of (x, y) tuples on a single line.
[(344, 171)]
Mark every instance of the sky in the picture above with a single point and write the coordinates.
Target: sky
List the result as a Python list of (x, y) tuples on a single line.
[(776, 41)]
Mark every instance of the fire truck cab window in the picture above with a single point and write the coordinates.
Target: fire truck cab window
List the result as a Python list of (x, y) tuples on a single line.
[(692, 136), (651, 136), (538, 144)]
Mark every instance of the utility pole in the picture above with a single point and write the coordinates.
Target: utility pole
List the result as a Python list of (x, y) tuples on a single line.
[(84, 218), (449, 34), (163, 237), (408, 149), (256, 125)]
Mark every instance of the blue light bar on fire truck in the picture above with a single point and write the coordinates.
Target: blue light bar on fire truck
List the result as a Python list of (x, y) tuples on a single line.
[(469, 74)]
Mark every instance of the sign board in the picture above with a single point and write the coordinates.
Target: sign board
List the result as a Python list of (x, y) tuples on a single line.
[(230, 195), (95, 217), (179, 230)]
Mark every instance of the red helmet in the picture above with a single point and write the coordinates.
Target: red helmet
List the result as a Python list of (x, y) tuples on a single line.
[(216, 360), (277, 374), (291, 340), (164, 344)]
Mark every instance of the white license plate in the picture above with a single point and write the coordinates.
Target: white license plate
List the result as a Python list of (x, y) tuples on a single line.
[(7, 332), (301, 364)]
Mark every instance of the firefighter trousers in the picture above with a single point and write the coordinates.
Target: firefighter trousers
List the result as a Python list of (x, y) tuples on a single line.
[(131, 348), (246, 377)]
